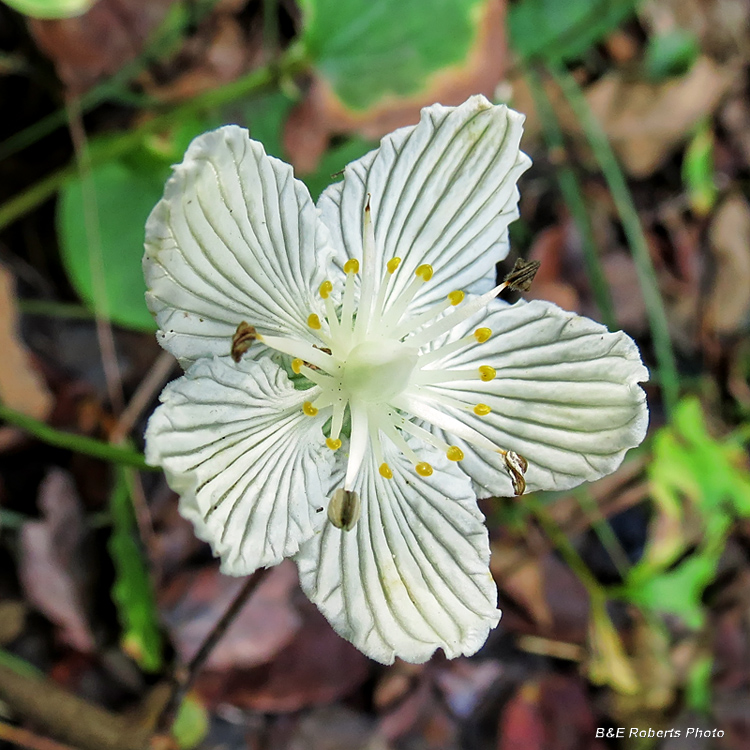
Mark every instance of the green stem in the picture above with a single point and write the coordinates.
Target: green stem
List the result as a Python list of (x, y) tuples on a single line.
[(113, 147), (572, 194), (631, 224), (565, 547), (73, 442)]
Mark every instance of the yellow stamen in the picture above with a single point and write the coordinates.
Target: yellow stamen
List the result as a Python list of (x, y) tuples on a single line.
[(351, 266), (314, 322), (393, 264), (456, 298), (325, 289), (309, 409), (423, 469), (385, 471), (455, 453), (297, 365), (424, 272), (334, 445), (482, 410), (486, 373), (482, 334)]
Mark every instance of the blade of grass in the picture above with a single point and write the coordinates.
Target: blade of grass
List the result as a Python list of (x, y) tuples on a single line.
[(631, 224), (570, 189), (77, 443)]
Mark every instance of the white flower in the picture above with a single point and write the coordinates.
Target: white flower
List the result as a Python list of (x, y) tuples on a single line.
[(377, 385)]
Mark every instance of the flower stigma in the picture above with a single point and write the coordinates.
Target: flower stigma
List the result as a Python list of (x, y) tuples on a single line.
[(373, 361)]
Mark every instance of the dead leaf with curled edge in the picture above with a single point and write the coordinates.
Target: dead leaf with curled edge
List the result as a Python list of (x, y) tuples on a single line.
[(647, 121), (51, 561), (728, 304), (21, 386), (323, 114), (99, 43)]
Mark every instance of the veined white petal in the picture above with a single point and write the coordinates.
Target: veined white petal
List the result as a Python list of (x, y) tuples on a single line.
[(442, 192), (565, 397), (412, 575), (252, 469), (235, 238)]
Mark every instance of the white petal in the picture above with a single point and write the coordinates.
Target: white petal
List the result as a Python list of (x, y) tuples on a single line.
[(235, 238), (252, 469), (442, 192), (413, 574), (566, 396)]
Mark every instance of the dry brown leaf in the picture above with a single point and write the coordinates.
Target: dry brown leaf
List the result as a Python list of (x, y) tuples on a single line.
[(728, 304), (321, 114), (316, 667), (522, 722), (21, 386), (195, 601), (97, 44), (647, 121), (51, 561)]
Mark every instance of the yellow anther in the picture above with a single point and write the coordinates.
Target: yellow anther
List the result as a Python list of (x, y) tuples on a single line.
[(486, 373), (482, 410), (385, 471), (325, 289), (334, 445), (482, 334), (393, 264), (423, 469), (313, 321), (424, 272), (455, 453), (351, 266), (297, 365), (456, 298), (309, 409)]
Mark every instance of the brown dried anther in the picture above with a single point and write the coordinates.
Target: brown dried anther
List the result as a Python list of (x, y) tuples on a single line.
[(517, 466), (344, 509), (520, 278), (243, 337)]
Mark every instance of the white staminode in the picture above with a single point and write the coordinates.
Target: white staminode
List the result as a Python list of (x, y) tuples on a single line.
[(377, 385)]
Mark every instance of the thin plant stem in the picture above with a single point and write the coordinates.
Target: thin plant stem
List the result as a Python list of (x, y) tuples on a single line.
[(631, 224), (564, 546), (77, 443), (572, 194), (184, 678), (603, 531), (116, 146), (104, 335)]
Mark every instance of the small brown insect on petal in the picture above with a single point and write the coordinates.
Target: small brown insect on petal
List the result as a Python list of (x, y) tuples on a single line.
[(243, 337), (517, 466), (520, 278)]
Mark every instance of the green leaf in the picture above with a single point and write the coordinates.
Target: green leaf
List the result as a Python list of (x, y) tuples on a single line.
[(680, 590), (333, 161), (556, 31), (124, 197), (50, 8), (191, 724), (698, 171), (132, 591), (368, 52), (670, 54), (695, 479)]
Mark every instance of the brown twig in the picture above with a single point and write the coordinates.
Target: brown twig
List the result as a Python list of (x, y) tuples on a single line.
[(44, 704), (25, 738), (184, 677), (155, 378)]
